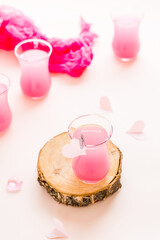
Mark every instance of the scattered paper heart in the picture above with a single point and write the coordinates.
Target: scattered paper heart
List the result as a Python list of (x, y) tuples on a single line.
[(73, 149), (136, 128), (14, 185), (57, 231), (139, 137), (105, 104)]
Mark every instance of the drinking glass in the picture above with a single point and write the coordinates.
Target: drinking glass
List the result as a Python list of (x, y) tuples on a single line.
[(93, 131), (126, 43), (5, 111), (33, 56)]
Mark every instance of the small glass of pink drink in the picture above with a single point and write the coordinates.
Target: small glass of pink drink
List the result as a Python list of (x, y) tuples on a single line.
[(33, 56), (5, 111), (126, 42), (93, 131)]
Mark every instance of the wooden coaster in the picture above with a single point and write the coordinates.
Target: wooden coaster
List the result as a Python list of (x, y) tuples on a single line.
[(56, 175)]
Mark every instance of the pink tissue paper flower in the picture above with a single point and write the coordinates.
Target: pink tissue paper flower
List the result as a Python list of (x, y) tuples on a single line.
[(70, 56)]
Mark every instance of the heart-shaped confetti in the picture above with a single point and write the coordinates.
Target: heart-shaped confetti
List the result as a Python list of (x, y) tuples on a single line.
[(136, 128), (105, 104), (139, 137), (73, 149), (57, 231), (14, 185)]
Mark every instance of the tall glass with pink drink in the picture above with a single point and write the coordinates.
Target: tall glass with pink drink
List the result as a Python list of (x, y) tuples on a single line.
[(5, 111), (93, 132), (126, 43), (33, 56)]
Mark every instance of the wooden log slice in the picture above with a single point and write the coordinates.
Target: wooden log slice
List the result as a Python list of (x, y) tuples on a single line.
[(55, 174)]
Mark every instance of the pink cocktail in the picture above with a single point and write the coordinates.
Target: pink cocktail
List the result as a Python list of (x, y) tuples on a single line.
[(95, 132), (5, 111), (126, 42), (33, 56)]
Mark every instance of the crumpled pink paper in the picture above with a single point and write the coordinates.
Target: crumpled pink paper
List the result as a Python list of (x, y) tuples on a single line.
[(70, 56)]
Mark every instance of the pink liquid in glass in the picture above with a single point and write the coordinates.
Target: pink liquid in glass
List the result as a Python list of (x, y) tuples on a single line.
[(93, 166), (5, 112), (35, 78), (126, 37)]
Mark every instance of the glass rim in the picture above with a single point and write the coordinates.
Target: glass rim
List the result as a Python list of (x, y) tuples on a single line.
[(89, 115), (131, 10), (32, 40), (7, 82)]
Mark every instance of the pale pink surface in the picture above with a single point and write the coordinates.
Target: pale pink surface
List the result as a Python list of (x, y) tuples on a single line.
[(73, 149), (93, 166), (28, 214), (70, 56), (14, 185), (57, 231), (5, 111), (105, 104), (35, 78), (126, 37), (137, 127)]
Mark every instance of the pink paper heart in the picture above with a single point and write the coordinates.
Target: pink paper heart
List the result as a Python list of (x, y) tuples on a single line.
[(105, 104), (58, 230), (14, 185), (73, 149), (139, 137), (137, 127)]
